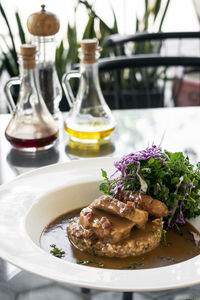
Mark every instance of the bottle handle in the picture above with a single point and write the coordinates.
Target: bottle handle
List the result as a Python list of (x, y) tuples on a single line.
[(9, 84), (67, 87)]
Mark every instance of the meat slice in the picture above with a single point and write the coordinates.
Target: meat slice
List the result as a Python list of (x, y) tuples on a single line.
[(153, 206), (100, 225), (105, 226), (139, 241), (111, 228), (86, 217), (127, 211)]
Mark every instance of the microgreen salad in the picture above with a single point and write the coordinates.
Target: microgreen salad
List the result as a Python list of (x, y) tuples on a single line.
[(168, 177)]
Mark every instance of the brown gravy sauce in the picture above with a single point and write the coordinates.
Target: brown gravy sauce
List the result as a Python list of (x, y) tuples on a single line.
[(180, 247)]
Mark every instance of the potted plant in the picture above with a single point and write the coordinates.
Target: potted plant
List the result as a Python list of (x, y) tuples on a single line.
[(141, 87), (134, 82), (66, 57)]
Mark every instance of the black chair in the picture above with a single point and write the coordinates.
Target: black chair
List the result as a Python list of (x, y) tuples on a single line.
[(122, 99), (117, 41), (154, 71)]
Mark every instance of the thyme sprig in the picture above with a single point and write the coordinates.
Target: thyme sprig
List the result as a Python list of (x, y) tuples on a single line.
[(169, 258), (164, 241), (90, 261), (57, 252), (135, 265)]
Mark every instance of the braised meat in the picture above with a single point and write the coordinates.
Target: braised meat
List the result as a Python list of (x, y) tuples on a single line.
[(109, 227), (144, 202), (138, 242), (105, 226), (124, 210)]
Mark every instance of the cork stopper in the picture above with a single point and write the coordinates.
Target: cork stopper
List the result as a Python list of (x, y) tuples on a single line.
[(43, 23), (88, 49), (28, 53)]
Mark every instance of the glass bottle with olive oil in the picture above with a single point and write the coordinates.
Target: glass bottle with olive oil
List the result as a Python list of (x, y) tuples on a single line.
[(89, 119)]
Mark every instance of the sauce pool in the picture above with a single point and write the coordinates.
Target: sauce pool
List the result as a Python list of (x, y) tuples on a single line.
[(178, 248)]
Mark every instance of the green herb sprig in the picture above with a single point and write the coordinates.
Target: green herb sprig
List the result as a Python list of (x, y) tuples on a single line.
[(90, 261), (135, 265), (169, 258), (57, 252), (169, 177), (164, 241), (107, 185)]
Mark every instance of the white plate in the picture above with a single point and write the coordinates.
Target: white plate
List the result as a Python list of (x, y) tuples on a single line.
[(31, 201)]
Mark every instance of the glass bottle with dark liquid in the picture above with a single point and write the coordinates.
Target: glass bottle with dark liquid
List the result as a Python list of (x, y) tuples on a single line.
[(89, 119), (31, 127), (43, 27)]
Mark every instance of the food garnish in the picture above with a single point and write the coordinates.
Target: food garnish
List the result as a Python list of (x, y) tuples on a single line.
[(164, 241), (90, 261), (135, 265), (168, 177), (196, 238), (169, 258), (178, 230), (57, 252)]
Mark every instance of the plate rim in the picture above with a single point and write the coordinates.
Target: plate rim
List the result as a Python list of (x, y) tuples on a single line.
[(120, 281)]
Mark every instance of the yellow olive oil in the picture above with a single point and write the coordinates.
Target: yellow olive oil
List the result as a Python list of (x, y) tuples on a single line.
[(97, 130), (88, 135)]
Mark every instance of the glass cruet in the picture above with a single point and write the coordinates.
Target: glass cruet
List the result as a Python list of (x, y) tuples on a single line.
[(43, 26), (31, 127), (89, 119)]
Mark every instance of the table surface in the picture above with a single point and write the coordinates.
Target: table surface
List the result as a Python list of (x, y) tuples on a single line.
[(175, 129)]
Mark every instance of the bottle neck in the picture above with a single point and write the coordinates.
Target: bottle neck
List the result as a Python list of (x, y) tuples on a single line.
[(46, 46), (90, 73), (28, 77)]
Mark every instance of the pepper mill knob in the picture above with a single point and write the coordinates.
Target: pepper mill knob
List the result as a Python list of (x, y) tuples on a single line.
[(43, 23)]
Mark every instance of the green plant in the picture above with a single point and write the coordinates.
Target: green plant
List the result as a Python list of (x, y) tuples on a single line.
[(102, 29), (95, 28), (67, 50), (66, 56), (152, 19), (8, 59)]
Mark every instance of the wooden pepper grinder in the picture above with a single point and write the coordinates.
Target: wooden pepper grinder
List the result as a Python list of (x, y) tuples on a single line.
[(43, 26)]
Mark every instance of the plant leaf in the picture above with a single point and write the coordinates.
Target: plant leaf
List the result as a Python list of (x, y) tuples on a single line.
[(14, 53), (60, 66), (11, 68), (89, 31), (164, 13), (115, 25), (20, 29), (156, 9), (72, 55), (137, 24)]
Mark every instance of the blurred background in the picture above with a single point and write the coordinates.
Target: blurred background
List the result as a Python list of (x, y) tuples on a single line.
[(96, 18), (179, 17)]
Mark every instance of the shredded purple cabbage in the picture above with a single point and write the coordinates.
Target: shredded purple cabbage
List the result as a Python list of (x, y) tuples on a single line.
[(135, 158), (123, 173), (180, 218), (191, 185)]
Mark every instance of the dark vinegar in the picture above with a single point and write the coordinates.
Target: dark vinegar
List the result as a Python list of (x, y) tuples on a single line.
[(32, 143)]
